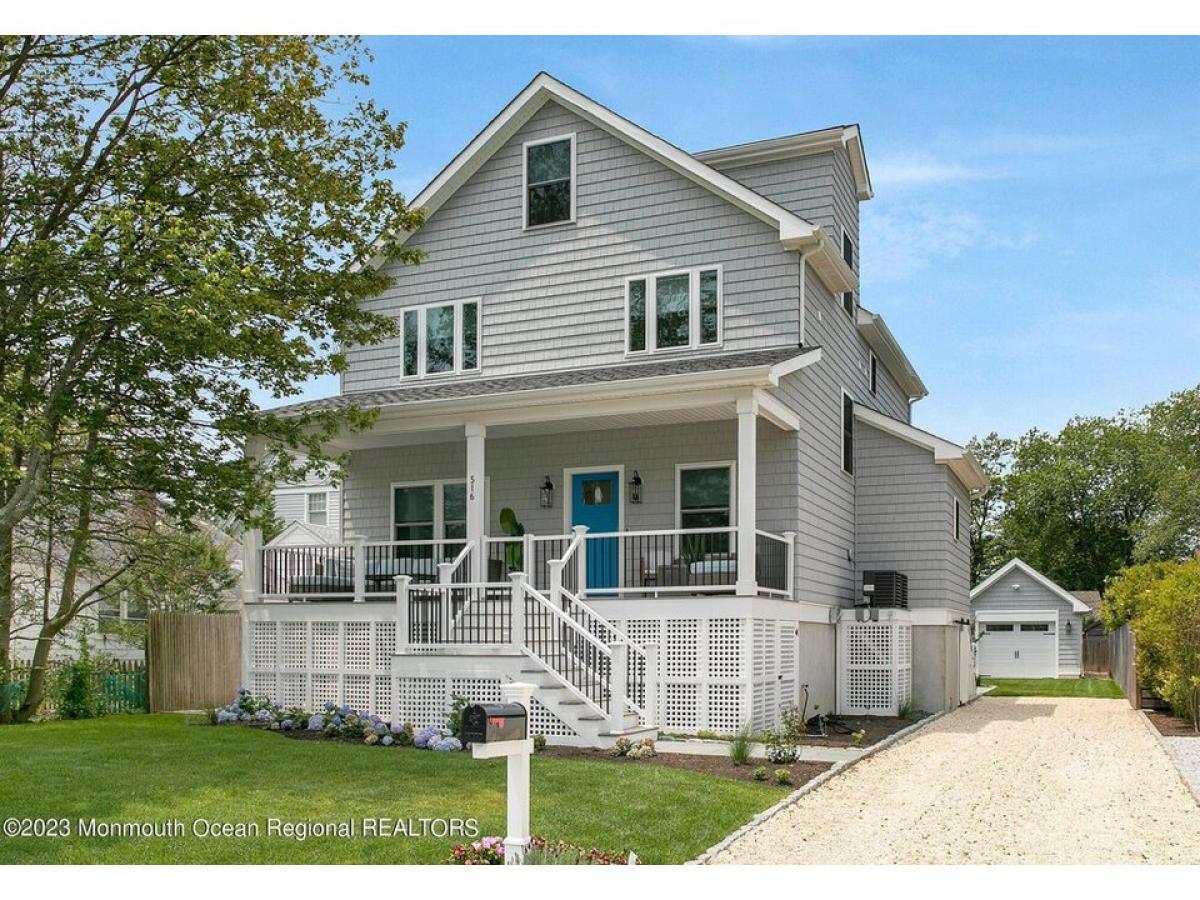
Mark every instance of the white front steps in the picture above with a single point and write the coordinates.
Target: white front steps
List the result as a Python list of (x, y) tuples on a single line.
[(502, 663)]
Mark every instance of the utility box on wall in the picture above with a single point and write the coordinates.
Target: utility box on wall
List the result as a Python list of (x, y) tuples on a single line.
[(874, 661)]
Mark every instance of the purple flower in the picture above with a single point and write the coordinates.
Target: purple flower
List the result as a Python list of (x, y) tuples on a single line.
[(245, 717), (387, 740), (330, 707), (396, 728), (447, 744), (336, 720), (316, 723), (264, 715), (380, 728), (287, 724), (346, 710)]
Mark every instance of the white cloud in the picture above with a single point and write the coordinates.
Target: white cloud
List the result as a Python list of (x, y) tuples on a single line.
[(901, 240), (918, 170)]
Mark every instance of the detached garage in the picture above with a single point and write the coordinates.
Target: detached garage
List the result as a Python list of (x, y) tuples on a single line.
[(1027, 626)]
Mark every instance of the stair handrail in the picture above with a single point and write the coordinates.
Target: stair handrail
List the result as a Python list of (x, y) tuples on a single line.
[(540, 599), (633, 650)]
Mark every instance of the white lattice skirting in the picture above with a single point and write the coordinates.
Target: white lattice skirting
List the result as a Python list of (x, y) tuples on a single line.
[(875, 655)]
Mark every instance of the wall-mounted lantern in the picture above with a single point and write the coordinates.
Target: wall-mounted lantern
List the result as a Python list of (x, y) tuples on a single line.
[(635, 488), (1069, 629), (547, 493)]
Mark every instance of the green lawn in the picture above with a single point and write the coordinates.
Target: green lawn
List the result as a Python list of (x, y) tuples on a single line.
[(153, 768), (1053, 687)]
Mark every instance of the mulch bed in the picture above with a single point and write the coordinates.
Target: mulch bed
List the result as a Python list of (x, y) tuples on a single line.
[(720, 766), (1171, 726), (876, 727)]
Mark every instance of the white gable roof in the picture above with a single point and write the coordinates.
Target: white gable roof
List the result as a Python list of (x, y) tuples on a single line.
[(1077, 605), (300, 533), (959, 459), (795, 233)]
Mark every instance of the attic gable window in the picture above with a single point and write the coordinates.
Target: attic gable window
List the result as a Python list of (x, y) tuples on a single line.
[(673, 310), (550, 181)]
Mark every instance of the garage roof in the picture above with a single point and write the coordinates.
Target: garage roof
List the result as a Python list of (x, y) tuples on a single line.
[(1077, 605)]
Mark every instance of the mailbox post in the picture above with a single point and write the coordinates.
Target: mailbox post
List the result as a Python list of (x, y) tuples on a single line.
[(495, 730)]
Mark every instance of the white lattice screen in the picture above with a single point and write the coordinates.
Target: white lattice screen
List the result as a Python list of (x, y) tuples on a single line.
[(876, 663), (310, 664)]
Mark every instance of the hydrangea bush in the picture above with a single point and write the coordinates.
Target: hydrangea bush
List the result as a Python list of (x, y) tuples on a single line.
[(334, 721)]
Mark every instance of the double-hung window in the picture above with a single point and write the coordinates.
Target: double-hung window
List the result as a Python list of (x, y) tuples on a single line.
[(704, 493), (441, 338), (317, 508), (673, 310), (550, 181), (430, 511)]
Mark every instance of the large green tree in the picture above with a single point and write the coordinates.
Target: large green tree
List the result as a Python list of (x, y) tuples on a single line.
[(1074, 503), (1172, 529), (182, 219), (994, 455)]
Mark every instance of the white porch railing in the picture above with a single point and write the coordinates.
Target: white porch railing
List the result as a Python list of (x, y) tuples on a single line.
[(656, 562), (578, 647)]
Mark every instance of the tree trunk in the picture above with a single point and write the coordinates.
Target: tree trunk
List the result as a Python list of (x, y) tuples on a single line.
[(36, 691), (6, 617)]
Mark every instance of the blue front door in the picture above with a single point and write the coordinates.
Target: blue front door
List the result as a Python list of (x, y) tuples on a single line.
[(595, 502)]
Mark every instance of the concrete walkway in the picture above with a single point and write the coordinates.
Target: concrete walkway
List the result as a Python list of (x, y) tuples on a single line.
[(1004, 780)]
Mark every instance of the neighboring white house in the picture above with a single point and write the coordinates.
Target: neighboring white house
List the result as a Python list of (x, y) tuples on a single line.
[(657, 362), (315, 502), (1027, 626)]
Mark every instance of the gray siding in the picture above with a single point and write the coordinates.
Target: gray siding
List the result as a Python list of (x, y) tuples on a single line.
[(1033, 596), (554, 298), (904, 520)]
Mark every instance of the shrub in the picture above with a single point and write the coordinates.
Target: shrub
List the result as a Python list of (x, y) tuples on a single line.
[(539, 743), (454, 719), (906, 710), (858, 738), (783, 776), (739, 747), (760, 774), (403, 733), (425, 735), (450, 743), (643, 749), (488, 851), (792, 723), (621, 747), (781, 748), (1164, 599), (75, 685)]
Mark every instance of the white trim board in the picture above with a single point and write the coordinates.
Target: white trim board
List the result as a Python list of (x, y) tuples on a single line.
[(1077, 605), (795, 233), (568, 488)]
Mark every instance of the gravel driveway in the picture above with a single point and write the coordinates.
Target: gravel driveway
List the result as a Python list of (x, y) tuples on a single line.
[(1004, 780)]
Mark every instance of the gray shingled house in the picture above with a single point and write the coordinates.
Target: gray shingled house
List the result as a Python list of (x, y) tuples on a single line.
[(638, 443)]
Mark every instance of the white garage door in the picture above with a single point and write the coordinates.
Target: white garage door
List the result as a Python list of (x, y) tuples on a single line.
[(1018, 650)]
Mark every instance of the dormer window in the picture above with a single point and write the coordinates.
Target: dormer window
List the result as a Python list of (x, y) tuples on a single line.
[(673, 310), (550, 181), (441, 338)]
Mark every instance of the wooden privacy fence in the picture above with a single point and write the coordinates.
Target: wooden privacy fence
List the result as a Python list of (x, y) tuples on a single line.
[(117, 687), (1097, 654), (1121, 651), (194, 659)]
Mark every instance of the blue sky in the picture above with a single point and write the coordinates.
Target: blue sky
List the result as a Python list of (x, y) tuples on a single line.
[(1033, 239)]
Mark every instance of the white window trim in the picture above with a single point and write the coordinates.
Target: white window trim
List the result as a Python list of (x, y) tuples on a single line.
[(308, 495), (693, 311), (458, 338), (525, 182), (842, 430), (439, 488), (714, 464)]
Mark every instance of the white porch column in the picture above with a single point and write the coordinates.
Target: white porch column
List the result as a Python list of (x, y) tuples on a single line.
[(747, 496), (476, 497), (251, 562)]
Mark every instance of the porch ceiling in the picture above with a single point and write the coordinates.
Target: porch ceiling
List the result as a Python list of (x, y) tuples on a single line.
[(384, 436)]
